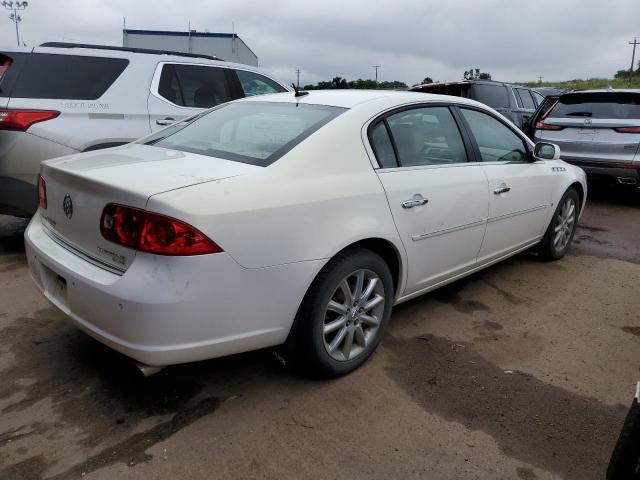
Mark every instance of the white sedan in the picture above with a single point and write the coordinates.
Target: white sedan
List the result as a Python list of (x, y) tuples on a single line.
[(292, 220)]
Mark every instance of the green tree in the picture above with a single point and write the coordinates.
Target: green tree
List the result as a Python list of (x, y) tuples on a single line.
[(427, 80), (475, 74)]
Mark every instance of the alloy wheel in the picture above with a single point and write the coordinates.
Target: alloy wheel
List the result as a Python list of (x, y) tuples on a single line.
[(353, 315), (564, 224)]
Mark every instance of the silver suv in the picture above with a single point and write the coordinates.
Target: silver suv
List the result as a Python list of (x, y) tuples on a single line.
[(61, 98), (598, 130)]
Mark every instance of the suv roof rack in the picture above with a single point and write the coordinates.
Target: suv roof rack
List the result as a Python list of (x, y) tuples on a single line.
[(128, 49)]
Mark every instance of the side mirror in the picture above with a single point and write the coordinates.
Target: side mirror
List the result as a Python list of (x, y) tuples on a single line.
[(546, 151)]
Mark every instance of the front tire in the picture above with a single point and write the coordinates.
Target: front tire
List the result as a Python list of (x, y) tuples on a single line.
[(343, 315), (559, 235)]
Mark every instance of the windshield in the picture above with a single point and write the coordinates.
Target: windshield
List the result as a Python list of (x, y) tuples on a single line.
[(617, 105), (257, 133)]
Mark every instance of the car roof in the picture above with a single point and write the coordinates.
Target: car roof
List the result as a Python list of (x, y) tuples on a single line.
[(130, 53), (605, 90), (352, 98)]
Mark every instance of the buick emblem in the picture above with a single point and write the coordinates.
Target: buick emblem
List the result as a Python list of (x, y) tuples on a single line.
[(67, 206)]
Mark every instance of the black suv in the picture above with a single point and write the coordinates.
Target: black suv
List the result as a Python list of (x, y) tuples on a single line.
[(515, 102)]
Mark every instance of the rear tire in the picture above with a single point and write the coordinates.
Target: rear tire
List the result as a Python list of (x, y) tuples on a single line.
[(343, 315), (559, 235)]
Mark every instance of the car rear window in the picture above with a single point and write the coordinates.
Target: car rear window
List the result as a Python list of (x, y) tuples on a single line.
[(71, 77), (598, 105), (257, 133), (493, 95)]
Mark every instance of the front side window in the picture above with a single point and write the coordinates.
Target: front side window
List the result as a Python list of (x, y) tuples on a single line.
[(257, 133), (255, 84), (426, 136), (496, 141), (194, 86)]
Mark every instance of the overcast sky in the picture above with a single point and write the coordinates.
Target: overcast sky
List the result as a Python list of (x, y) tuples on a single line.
[(514, 40)]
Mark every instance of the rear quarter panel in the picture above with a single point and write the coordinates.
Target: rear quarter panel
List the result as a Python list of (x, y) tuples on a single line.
[(319, 198)]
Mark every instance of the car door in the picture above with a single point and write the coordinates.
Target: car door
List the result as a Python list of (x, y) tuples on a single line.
[(180, 90), (519, 186), (439, 201), (543, 107)]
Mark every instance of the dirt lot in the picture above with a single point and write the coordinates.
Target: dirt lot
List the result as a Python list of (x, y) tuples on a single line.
[(523, 371)]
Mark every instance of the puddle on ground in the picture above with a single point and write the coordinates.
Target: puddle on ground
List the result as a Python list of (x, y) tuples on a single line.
[(532, 421)]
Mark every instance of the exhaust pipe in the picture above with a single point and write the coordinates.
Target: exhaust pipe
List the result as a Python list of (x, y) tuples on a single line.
[(627, 181), (147, 370)]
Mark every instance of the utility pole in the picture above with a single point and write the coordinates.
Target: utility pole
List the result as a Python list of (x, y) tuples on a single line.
[(14, 16), (633, 55), (298, 77), (539, 79), (376, 67)]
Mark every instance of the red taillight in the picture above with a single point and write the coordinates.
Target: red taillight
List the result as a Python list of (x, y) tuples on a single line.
[(627, 129), (152, 232), (21, 120), (545, 126), (42, 193)]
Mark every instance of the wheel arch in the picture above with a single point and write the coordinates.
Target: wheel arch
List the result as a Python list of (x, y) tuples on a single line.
[(387, 251), (577, 186)]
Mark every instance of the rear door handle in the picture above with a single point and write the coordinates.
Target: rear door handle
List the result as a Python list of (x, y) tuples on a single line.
[(502, 189), (414, 201), (166, 121)]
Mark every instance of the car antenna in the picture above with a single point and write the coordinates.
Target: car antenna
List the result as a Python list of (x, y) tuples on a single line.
[(299, 93)]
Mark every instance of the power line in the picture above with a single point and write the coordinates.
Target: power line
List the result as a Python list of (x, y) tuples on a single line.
[(376, 67), (14, 16), (633, 55)]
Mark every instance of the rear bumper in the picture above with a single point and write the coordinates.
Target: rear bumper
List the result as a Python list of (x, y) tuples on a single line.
[(168, 310), (17, 197), (620, 171)]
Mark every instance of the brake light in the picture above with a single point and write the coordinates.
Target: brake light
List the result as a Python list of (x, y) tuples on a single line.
[(42, 193), (153, 232), (545, 126), (627, 129), (21, 120)]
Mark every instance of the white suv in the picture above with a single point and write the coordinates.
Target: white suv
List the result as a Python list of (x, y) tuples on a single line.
[(63, 98)]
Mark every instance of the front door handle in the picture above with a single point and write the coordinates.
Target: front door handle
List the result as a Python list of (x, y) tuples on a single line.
[(166, 121), (414, 201), (502, 189)]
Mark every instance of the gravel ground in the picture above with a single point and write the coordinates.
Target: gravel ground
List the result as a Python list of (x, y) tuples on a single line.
[(524, 371)]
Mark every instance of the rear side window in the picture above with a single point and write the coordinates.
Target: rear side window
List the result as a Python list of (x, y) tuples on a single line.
[(382, 146), (256, 84), (71, 77), (194, 86), (621, 105), (257, 133), (493, 95), (426, 136), (525, 98)]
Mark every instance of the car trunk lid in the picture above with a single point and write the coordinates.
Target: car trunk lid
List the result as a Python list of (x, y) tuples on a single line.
[(79, 187)]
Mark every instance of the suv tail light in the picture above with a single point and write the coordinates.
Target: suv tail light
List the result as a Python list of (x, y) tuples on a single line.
[(540, 125), (627, 129), (42, 193), (152, 232), (21, 120)]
